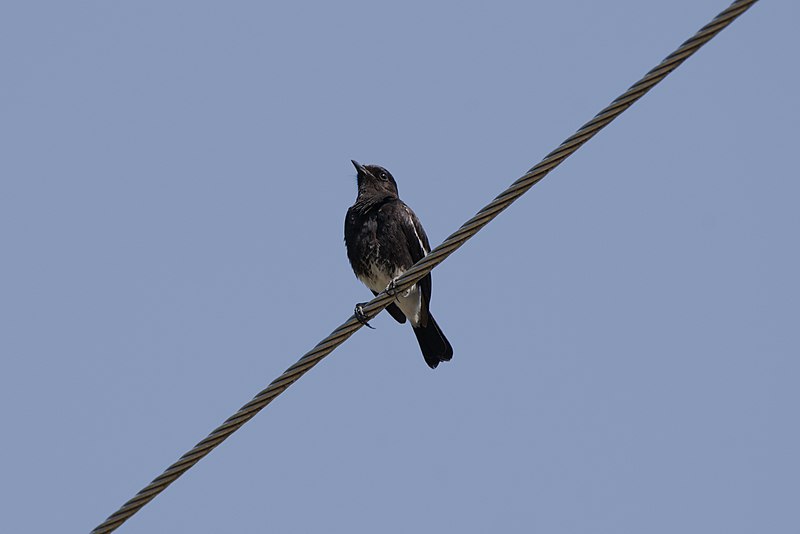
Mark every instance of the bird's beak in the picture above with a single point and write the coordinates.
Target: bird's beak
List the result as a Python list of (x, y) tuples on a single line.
[(360, 168)]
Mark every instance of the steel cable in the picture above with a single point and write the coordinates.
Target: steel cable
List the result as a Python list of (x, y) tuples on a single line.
[(425, 265)]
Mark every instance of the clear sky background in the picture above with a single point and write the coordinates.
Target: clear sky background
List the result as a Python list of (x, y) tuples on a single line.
[(173, 183)]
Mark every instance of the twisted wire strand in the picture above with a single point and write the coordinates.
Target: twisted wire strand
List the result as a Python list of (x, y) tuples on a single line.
[(425, 265)]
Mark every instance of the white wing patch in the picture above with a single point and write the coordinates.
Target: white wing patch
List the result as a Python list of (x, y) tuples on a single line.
[(425, 250)]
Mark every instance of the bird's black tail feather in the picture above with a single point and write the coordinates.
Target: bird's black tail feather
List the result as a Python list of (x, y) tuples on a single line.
[(435, 347)]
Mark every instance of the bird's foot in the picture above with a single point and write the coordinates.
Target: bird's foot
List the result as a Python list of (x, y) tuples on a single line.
[(391, 289), (361, 317)]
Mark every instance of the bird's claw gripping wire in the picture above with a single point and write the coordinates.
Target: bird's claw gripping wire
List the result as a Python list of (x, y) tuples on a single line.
[(391, 289), (361, 317)]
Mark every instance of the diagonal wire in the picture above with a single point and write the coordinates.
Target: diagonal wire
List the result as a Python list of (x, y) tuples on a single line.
[(425, 265)]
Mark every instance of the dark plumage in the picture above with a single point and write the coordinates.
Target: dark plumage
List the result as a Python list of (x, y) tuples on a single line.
[(384, 238)]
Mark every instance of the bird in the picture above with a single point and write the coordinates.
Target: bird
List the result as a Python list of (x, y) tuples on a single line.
[(384, 238)]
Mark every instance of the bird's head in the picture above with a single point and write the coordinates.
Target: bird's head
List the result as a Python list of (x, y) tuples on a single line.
[(374, 180)]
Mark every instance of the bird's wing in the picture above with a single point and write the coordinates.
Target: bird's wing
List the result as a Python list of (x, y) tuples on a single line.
[(415, 235), (419, 247)]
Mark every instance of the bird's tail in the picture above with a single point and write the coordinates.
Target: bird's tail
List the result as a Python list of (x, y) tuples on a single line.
[(435, 347)]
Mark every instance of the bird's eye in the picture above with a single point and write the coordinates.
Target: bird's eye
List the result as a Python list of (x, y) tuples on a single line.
[(384, 177)]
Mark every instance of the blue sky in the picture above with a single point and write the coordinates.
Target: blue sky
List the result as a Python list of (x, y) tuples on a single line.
[(174, 182)]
